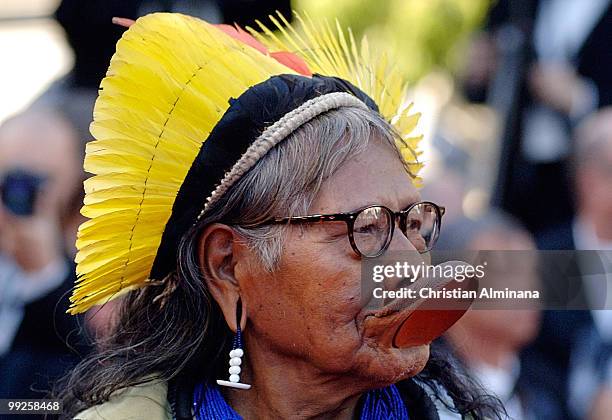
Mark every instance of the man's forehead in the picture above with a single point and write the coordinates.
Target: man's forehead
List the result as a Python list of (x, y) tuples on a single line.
[(49, 157), (36, 135), (375, 177)]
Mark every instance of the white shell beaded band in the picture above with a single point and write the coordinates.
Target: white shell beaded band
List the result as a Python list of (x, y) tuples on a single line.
[(279, 131)]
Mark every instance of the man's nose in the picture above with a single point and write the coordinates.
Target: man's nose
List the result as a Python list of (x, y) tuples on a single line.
[(402, 251), (400, 243)]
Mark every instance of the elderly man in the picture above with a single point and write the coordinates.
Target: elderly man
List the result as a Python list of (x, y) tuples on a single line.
[(237, 196), (40, 178)]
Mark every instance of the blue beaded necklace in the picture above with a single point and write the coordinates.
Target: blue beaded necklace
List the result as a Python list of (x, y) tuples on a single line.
[(385, 403)]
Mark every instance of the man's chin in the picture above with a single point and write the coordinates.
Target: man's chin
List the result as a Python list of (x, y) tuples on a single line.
[(389, 365)]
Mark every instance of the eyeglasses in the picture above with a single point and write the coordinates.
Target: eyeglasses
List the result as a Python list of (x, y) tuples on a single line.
[(370, 229)]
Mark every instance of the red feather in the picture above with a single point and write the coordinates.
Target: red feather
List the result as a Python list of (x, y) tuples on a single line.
[(286, 58), (292, 61)]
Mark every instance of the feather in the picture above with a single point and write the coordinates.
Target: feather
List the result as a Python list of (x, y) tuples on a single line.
[(167, 87), (333, 52)]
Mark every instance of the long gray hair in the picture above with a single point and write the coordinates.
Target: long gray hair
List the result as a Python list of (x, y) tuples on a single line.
[(175, 326), (175, 323)]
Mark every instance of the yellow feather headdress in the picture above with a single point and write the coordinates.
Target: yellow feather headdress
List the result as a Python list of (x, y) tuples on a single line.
[(167, 87)]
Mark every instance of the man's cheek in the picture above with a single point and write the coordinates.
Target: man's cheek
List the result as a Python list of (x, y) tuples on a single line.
[(342, 286)]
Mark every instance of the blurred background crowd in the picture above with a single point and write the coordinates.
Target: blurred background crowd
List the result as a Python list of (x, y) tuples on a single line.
[(515, 98)]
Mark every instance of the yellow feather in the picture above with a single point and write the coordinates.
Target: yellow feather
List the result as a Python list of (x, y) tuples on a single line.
[(167, 86), (332, 53)]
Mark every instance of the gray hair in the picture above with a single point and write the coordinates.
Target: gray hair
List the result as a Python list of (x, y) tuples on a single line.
[(288, 178), (174, 330)]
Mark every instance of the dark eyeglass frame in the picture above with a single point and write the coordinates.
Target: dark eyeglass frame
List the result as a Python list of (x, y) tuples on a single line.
[(350, 217)]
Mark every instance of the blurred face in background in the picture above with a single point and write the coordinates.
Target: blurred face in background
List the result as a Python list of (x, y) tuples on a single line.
[(45, 144), (594, 182), (515, 327), (593, 171), (507, 329), (41, 144)]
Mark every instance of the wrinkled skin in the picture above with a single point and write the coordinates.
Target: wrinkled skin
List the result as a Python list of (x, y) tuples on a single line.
[(312, 347)]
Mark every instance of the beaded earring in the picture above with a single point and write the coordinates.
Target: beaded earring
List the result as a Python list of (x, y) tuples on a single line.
[(235, 359)]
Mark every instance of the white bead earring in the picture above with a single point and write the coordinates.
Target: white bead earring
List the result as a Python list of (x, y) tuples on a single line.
[(235, 362)]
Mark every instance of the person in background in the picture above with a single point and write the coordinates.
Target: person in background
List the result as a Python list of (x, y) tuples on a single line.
[(561, 342), (592, 227), (40, 181), (488, 342), (590, 377)]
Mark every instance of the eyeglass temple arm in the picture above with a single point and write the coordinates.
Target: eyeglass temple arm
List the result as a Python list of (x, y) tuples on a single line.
[(340, 217)]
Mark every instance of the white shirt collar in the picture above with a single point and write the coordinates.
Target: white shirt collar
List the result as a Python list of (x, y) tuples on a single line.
[(585, 237), (500, 381)]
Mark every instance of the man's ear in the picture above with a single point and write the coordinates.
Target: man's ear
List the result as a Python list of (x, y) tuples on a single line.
[(219, 250)]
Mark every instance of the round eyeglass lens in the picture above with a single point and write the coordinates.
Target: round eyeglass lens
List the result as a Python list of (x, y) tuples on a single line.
[(422, 226), (372, 230)]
